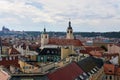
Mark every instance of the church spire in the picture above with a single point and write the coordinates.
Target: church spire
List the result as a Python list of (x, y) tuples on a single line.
[(69, 31), (69, 25), (44, 32)]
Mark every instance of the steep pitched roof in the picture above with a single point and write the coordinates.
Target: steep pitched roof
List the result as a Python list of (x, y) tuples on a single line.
[(4, 75), (90, 63), (110, 54), (118, 44), (13, 51), (7, 61), (93, 48), (117, 72), (33, 47), (69, 72), (50, 51), (99, 62), (56, 41), (87, 64), (96, 53)]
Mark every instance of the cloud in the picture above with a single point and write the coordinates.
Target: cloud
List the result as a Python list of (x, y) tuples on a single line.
[(94, 13)]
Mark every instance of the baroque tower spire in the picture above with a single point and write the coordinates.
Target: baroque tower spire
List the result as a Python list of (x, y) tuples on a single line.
[(69, 34)]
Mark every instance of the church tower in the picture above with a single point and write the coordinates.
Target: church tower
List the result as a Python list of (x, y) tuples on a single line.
[(69, 31), (44, 38)]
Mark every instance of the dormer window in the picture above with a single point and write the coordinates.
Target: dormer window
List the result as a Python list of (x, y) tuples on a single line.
[(92, 71), (89, 73), (81, 77), (84, 74), (76, 79)]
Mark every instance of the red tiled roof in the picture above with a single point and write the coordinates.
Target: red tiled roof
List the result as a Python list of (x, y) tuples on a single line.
[(13, 51), (118, 44), (117, 72), (96, 53), (6, 61), (109, 69), (57, 41), (110, 54), (33, 47), (69, 72), (93, 48), (84, 51), (5, 44)]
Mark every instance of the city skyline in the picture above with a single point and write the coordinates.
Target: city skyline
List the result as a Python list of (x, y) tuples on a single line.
[(85, 15)]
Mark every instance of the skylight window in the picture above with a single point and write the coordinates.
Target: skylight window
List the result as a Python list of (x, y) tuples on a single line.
[(89, 73), (81, 77), (92, 71), (84, 74)]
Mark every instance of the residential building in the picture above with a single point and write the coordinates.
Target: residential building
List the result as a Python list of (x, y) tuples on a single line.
[(70, 72), (4, 75)]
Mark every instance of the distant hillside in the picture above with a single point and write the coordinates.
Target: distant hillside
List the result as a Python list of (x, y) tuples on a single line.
[(84, 34), (94, 34)]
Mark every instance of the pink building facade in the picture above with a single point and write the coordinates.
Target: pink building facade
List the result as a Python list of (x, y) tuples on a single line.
[(4, 75)]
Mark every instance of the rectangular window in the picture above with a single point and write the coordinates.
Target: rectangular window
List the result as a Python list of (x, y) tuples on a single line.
[(105, 77), (110, 77)]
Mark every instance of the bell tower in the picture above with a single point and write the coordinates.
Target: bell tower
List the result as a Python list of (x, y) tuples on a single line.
[(44, 38), (69, 34)]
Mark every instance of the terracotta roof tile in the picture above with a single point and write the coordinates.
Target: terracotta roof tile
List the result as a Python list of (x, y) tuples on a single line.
[(7, 61), (96, 53), (33, 47), (110, 54), (57, 41), (109, 69), (13, 51), (118, 44), (93, 51), (69, 72), (93, 48), (117, 72), (84, 51)]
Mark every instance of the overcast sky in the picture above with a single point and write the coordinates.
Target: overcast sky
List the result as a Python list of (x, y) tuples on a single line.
[(85, 15)]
